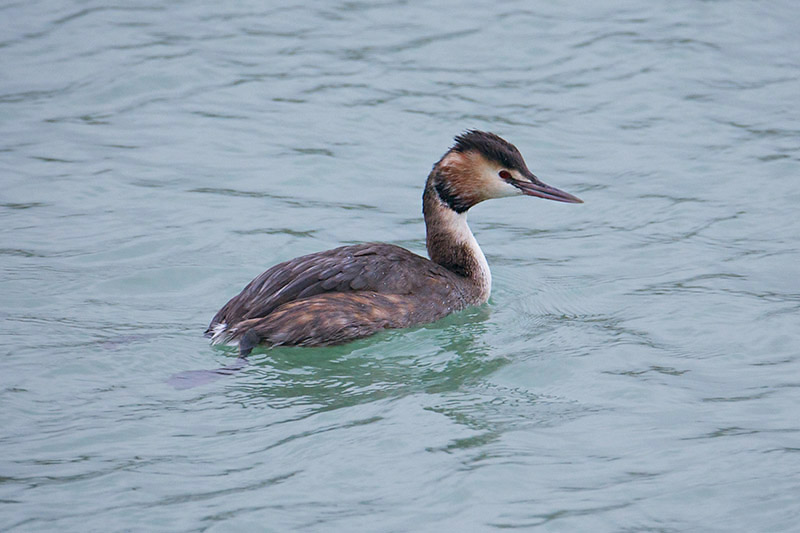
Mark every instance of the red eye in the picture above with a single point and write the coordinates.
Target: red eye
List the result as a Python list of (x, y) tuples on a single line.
[(505, 174)]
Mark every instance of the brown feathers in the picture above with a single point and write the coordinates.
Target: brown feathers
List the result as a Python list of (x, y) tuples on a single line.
[(340, 294)]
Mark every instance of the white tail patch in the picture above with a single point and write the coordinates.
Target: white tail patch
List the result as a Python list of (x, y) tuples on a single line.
[(219, 333)]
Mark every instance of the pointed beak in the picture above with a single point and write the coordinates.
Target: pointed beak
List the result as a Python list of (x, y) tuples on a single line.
[(534, 187)]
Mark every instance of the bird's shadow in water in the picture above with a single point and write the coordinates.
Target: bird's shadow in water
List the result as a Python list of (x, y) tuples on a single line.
[(434, 358), (189, 379)]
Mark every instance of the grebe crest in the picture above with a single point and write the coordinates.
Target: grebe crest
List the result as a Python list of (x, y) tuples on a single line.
[(339, 295)]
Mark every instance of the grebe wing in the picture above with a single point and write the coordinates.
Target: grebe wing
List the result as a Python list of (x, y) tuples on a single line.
[(376, 267)]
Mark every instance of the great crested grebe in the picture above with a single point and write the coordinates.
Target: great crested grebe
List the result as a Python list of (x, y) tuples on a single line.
[(340, 295)]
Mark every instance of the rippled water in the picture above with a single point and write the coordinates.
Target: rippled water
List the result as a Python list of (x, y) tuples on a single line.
[(638, 365)]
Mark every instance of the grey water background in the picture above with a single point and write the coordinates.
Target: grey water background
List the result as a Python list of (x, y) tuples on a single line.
[(636, 369)]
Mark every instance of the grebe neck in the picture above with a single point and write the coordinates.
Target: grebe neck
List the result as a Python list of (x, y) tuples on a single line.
[(451, 243)]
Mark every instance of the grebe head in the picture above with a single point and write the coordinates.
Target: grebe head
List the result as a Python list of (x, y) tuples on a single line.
[(481, 166)]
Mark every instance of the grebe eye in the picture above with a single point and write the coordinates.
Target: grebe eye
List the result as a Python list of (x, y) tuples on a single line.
[(505, 174)]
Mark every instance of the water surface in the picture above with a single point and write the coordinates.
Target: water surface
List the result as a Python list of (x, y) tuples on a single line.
[(636, 369)]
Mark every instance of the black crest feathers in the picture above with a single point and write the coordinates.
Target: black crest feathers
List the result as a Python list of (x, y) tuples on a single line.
[(491, 146)]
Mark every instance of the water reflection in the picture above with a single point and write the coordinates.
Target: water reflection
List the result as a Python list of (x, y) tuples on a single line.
[(390, 364)]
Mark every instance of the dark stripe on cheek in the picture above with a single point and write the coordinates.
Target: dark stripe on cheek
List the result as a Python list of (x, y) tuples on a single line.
[(451, 200)]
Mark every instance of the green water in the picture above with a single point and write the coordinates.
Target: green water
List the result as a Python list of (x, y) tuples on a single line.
[(636, 369)]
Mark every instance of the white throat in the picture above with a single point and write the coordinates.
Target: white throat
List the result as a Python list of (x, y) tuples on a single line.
[(456, 225)]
